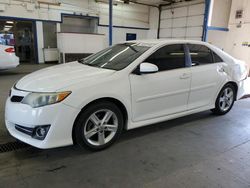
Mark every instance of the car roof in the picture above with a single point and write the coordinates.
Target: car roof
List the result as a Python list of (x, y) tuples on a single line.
[(160, 42), (166, 41)]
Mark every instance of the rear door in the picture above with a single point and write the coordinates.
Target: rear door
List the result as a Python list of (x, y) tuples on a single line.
[(207, 76)]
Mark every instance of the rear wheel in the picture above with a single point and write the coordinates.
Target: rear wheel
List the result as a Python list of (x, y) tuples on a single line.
[(225, 100), (98, 126)]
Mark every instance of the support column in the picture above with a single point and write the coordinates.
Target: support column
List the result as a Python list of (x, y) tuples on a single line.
[(39, 43), (159, 21), (110, 22), (206, 17)]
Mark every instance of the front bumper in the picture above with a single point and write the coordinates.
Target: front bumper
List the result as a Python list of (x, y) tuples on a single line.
[(59, 116)]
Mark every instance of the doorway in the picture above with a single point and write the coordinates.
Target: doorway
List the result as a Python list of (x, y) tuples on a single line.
[(21, 35)]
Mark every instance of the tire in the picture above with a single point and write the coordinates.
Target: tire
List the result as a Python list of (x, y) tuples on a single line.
[(99, 126), (225, 102)]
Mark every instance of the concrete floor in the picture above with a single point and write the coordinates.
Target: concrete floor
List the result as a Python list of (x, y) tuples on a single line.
[(200, 150)]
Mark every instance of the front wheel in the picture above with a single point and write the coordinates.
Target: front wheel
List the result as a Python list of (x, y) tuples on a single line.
[(98, 126), (225, 100)]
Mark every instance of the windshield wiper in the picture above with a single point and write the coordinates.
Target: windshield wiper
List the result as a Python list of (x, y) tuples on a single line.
[(80, 60), (84, 63), (131, 47)]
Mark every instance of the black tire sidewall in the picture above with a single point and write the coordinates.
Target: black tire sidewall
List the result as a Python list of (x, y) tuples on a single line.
[(83, 117)]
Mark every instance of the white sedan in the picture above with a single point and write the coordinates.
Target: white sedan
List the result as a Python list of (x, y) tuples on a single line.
[(126, 86), (8, 58)]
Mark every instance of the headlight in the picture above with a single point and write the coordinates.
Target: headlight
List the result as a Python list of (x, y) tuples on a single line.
[(42, 99)]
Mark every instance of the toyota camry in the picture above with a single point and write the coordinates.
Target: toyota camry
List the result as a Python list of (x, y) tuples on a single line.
[(129, 85)]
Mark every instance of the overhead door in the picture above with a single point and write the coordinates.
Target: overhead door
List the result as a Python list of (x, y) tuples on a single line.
[(183, 21)]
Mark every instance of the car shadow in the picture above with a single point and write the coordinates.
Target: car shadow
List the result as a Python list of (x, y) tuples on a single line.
[(166, 125), (12, 73), (74, 151)]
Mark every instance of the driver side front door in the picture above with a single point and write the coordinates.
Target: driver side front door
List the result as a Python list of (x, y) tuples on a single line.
[(165, 92)]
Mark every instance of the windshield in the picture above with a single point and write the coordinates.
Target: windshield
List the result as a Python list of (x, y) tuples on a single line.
[(116, 57)]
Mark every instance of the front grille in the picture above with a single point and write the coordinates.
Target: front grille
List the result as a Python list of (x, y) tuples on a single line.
[(16, 98), (26, 130)]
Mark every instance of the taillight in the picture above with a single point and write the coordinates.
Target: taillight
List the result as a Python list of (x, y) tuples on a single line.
[(10, 50)]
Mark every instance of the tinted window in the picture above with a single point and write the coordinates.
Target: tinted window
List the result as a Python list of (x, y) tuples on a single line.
[(116, 57), (217, 58), (200, 55), (168, 57)]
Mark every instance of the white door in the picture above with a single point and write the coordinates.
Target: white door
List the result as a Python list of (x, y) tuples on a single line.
[(165, 92), (207, 76), (182, 20)]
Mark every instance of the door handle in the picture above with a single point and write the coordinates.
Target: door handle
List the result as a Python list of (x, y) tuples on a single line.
[(185, 76)]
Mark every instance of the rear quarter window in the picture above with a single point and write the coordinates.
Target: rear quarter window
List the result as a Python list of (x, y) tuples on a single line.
[(200, 54), (217, 58)]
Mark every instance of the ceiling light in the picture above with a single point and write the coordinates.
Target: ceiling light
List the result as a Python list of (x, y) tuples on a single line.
[(6, 29), (115, 2), (9, 22), (8, 26), (125, 1)]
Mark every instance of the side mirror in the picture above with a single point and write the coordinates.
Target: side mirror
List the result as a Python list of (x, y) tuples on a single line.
[(147, 68)]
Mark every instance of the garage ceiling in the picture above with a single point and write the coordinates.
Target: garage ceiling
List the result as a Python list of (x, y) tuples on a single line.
[(147, 2), (158, 2)]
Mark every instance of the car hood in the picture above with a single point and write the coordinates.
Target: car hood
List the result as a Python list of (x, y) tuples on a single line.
[(57, 77)]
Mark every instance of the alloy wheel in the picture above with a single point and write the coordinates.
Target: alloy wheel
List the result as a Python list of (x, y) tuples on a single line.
[(100, 127), (226, 99)]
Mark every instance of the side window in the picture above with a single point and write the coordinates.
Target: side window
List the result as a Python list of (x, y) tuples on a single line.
[(217, 58), (168, 57), (200, 55)]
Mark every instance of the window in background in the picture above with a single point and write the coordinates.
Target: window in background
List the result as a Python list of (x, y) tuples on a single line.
[(130, 36), (7, 39), (76, 24), (49, 35)]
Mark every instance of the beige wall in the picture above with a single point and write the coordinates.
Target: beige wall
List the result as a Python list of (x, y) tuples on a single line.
[(220, 13), (232, 40)]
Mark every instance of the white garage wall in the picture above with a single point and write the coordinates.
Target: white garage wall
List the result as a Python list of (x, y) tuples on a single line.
[(217, 38), (218, 23), (220, 13), (131, 15), (153, 23), (134, 16), (183, 20), (119, 34), (40, 43), (135, 19), (232, 40)]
